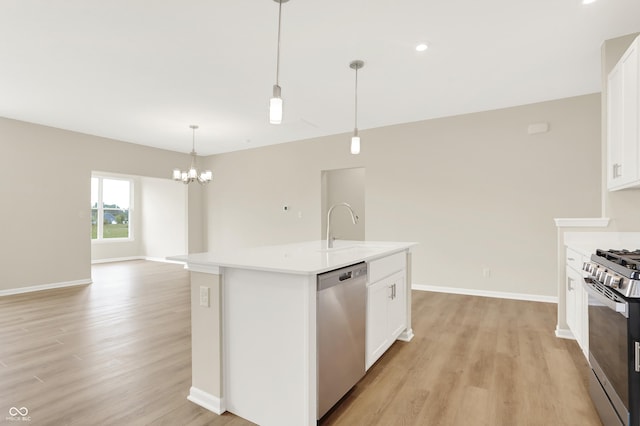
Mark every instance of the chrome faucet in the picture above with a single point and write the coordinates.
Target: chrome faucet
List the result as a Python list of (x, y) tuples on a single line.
[(354, 219)]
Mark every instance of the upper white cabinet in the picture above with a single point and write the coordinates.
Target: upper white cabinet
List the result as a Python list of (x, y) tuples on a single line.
[(623, 122)]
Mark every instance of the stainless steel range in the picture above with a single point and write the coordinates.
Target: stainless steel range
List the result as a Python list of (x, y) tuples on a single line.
[(613, 284)]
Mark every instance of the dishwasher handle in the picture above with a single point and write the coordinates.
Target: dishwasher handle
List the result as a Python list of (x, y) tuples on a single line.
[(344, 275)]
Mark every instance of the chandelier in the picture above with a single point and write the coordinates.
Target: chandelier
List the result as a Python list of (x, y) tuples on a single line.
[(192, 175)]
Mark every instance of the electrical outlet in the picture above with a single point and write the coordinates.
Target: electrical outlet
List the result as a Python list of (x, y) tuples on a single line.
[(486, 272), (204, 296)]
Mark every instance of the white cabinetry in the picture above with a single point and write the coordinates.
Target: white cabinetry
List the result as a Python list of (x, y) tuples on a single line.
[(386, 304), (577, 300), (623, 121)]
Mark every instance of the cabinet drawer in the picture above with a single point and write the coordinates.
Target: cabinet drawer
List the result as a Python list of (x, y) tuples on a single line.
[(381, 268), (574, 259)]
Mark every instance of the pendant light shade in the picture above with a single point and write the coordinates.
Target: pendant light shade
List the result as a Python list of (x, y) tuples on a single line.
[(355, 144), (276, 106), (355, 139), (192, 175)]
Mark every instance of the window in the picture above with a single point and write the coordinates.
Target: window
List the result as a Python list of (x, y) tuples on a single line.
[(110, 208)]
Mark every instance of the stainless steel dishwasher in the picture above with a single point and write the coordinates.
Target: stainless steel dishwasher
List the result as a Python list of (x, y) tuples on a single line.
[(341, 315)]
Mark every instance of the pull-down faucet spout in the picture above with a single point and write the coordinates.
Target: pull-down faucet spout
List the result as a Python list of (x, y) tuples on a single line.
[(354, 219)]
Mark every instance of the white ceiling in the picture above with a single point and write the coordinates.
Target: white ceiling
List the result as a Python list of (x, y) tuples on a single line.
[(143, 71)]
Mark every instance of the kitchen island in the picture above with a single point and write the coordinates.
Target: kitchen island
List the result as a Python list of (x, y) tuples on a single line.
[(253, 321)]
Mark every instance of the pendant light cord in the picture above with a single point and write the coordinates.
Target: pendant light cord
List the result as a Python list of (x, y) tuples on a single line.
[(356, 99), (278, 52)]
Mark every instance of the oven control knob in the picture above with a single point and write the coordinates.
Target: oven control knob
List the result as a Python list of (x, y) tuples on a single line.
[(607, 280), (601, 274), (614, 281), (611, 280)]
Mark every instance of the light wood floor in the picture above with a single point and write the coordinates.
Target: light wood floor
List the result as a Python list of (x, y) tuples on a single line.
[(118, 352)]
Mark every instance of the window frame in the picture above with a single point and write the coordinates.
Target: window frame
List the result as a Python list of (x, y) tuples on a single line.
[(100, 209)]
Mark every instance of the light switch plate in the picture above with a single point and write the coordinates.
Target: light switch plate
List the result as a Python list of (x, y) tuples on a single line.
[(204, 296)]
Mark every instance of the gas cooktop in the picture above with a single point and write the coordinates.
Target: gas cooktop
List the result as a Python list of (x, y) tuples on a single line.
[(616, 269), (624, 262)]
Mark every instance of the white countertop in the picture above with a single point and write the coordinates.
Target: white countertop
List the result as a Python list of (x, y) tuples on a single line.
[(309, 257)]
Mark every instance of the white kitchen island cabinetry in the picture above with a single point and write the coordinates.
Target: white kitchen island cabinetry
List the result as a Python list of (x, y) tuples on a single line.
[(254, 316), (623, 121), (386, 305)]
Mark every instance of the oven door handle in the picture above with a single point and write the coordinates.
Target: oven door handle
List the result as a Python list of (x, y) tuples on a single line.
[(612, 304)]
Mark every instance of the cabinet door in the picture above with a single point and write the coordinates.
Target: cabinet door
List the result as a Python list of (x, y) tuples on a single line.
[(397, 306), (615, 148), (583, 309), (572, 308), (377, 334), (630, 114), (576, 282), (623, 122)]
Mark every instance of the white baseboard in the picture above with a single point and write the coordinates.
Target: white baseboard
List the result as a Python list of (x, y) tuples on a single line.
[(162, 260), (124, 259), (564, 333), (206, 400), (486, 293), (117, 259), (32, 288), (406, 335)]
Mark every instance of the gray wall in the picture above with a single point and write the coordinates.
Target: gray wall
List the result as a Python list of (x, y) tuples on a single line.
[(164, 226), (344, 186), (45, 195), (475, 191)]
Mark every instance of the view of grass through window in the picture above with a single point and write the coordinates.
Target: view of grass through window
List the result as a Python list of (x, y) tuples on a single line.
[(110, 199)]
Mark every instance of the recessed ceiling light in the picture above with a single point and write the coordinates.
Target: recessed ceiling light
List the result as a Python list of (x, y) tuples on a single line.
[(422, 47), (588, 1)]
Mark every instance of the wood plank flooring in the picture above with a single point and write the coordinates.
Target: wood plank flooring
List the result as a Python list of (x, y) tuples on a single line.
[(118, 352), (475, 361)]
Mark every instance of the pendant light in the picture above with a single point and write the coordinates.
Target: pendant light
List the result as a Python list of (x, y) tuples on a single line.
[(192, 174), (355, 139), (275, 103)]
